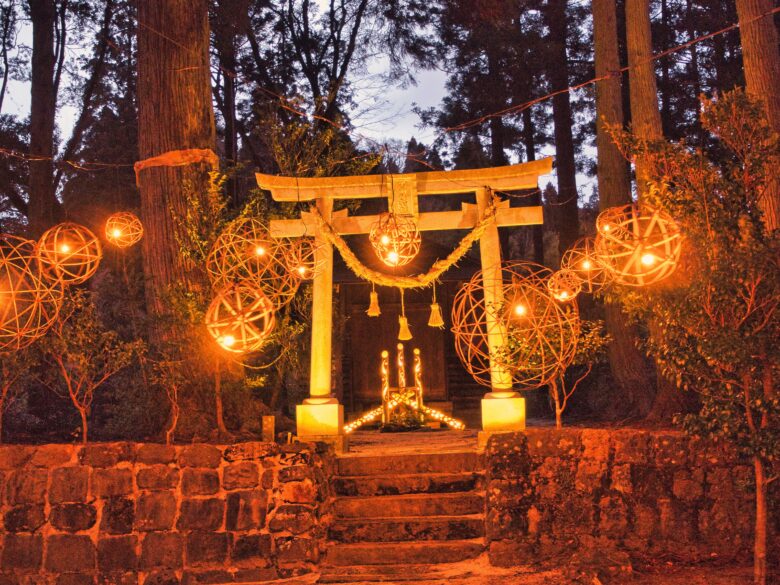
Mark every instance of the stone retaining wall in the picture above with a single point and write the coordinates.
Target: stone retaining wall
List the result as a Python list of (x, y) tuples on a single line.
[(656, 495), (133, 514)]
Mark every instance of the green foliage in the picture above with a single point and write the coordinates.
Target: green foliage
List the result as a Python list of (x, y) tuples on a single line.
[(82, 354), (717, 319)]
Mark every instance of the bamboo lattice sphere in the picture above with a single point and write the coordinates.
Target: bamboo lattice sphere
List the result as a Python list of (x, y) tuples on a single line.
[(301, 258), (564, 285), (585, 263), (29, 304), (246, 253), (536, 338), (124, 229), (240, 318), (70, 252), (395, 239), (639, 245)]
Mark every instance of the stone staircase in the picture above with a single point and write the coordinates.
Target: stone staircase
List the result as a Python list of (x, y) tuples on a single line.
[(404, 517)]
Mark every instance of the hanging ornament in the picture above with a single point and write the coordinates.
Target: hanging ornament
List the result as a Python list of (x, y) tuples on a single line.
[(639, 244), (395, 238), (246, 253), (404, 334), (240, 318), (124, 229), (69, 252), (29, 303), (373, 305), (586, 265), (436, 319), (564, 285), (301, 258)]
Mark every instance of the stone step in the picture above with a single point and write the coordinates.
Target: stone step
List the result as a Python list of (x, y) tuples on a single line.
[(430, 483), (449, 551), (458, 504), (372, 465), (386, 573), (423, 528)]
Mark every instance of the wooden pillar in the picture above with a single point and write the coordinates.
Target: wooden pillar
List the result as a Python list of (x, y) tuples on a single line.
[(502, 408), (321, 417), (322, 312)]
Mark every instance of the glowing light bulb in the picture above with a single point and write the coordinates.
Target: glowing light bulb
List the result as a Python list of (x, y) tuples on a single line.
[(227, 341), (586, 265), (259, 251), (564, 294), (301, 270), (520, 310), (64, 248), (392, 257), (606, 228), (648, 259), (385, 239), (116, 233)]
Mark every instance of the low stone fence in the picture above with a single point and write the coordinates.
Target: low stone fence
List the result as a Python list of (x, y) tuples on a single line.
[(553, 493), (130, 514)]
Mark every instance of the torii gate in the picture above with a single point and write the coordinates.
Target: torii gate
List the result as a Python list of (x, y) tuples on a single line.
[(320, 416)]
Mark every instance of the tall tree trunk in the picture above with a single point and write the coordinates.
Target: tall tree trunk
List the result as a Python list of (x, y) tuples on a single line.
[(174, 112), (761, 62), (646, 124), (530, 154), (645, 118), (693, 66), (43, 207), (626, 361), (666, 106), (568, 228)]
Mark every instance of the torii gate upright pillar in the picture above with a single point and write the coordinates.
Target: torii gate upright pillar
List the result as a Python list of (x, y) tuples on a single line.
[(321, 416)]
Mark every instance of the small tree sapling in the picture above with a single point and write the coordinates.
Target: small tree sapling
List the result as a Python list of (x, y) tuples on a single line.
[(83, 353)]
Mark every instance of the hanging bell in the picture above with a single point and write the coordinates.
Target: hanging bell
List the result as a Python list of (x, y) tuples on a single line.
[(403, 331), (373, 306), (436, 319)]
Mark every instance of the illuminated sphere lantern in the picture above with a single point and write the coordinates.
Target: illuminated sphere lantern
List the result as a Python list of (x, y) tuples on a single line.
[(245, 253), (395, 239), (29, 304), (301, 258), (240, 319), (538, 336), (69, 253), (564, 285), (584, 262), (124, 229), (639, 245)]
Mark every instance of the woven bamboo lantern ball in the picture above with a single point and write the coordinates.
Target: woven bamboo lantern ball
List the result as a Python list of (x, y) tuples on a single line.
[(240, 318), (70, 252), (395, 239), (124, 229), (584, 262), (29, 304), (532, 337), (246, 253), (564, 285), (301, 258), (639, 245), (541, 335)]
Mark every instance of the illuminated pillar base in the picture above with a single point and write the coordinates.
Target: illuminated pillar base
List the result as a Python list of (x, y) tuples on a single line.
[(321, 419), (503, 411)]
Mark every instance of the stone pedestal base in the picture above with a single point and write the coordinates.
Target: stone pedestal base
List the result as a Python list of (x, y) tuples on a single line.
[(319, 417), (503, 411)]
